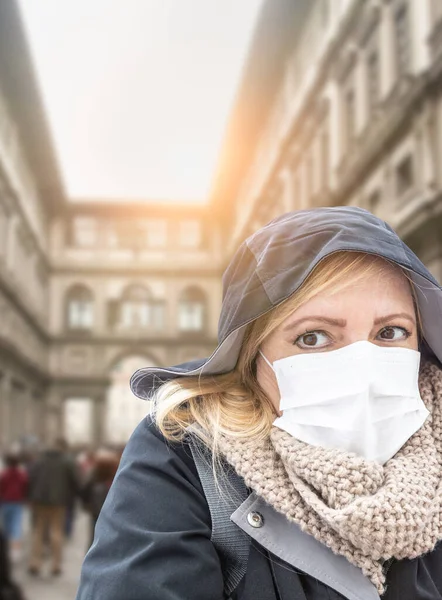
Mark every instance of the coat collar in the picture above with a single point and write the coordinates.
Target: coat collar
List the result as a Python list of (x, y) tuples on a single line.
[(288, 542)]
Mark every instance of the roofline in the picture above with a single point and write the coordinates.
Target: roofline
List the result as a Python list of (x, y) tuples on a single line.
[(115, 206), (273, 39)]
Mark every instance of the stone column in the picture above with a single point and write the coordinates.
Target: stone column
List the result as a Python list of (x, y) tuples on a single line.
[(387, 209), (5, 432), (388, 51), (336, 131), (172, 307), (429, 148), (28, 411), (16, 407), (38, 421), (361, 88), (99, 417), (53, 426), (421, 19)]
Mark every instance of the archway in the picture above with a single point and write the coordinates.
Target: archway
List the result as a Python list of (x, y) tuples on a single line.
[(123, 410)]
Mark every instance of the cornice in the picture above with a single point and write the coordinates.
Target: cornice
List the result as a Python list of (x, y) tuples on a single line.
[(136, 340)]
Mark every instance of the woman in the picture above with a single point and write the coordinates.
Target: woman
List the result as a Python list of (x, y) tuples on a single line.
[(303, 459), (13, 495)]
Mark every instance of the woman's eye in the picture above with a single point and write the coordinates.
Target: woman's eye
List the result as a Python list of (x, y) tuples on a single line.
[(312, 339), (393, 334)]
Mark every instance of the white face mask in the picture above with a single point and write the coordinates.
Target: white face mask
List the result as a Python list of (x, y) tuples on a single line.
[(361, 398)]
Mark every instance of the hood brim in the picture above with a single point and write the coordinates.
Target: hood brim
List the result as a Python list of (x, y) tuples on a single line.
[(146, 381)]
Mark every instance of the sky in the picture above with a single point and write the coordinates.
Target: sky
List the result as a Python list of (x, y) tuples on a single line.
[(138, 92)]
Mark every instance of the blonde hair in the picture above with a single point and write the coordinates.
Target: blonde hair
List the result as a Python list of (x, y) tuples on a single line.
[(233, 404)]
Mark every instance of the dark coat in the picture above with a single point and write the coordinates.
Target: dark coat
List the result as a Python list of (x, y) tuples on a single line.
[(53, 479), (152, 541), (8, 589)]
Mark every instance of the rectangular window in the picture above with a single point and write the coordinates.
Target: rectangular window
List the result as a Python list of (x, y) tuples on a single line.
[(80, 314), (191, 316), (349, 117), (143, 314), (85, 232), (111, 235), (325, 159), (404, 176), (156, 233), (127, 314), (3, 230), (190, 234), (158, 315), (402, 39), (374, 200), (135, 314), (373, 80)]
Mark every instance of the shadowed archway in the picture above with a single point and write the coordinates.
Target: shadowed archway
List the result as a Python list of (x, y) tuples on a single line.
[(123, 410)]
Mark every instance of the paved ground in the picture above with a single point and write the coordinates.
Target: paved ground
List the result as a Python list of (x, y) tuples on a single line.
[(64, 587)]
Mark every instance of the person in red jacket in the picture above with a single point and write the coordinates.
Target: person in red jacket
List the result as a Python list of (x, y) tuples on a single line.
[(13, 494)]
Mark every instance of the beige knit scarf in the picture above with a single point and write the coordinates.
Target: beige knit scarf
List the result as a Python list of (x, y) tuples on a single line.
[(360, 509)]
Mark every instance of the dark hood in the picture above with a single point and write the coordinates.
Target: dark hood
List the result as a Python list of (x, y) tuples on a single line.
[(273, 263)]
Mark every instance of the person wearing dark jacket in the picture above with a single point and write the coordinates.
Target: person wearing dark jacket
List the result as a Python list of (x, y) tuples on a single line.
[(9, 590), (303, 459), (53, 481), (98, 483)]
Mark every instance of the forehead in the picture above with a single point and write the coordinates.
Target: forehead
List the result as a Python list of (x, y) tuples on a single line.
[(384, 288)]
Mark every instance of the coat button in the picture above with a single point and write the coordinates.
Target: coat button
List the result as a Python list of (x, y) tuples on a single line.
[(255, 519)]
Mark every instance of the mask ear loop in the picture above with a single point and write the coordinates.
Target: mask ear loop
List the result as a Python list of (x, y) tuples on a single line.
[(267, 361), (276, 412)]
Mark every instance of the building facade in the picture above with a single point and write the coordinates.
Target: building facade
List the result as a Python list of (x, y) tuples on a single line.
[(355, 118), (89, 290), (30, 191), (340, 103), (132, 284)]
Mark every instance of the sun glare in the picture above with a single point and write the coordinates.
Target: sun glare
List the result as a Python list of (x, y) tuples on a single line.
[(138, 93)]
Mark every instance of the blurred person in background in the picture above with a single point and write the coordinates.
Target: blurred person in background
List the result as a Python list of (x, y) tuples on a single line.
[(71, 508), (13, 495), (86, 461), (53, 482), (9, 590), (98, 484)]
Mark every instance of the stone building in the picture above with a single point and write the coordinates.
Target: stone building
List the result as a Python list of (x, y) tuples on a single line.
[(30, 193), (132, 284), (89, 290), (340, 103)]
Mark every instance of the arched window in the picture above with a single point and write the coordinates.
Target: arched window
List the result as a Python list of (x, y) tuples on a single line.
[(192, 309), (80, 308), (136, 310)]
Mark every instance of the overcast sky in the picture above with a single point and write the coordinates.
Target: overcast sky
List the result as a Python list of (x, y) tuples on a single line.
[(138, 91)]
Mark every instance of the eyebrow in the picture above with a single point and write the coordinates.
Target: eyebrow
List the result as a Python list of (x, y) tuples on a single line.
[(328, 320), (343, 322), (395, 316)]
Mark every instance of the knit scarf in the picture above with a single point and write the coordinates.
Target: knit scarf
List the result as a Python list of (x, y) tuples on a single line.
[(362, 510)]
